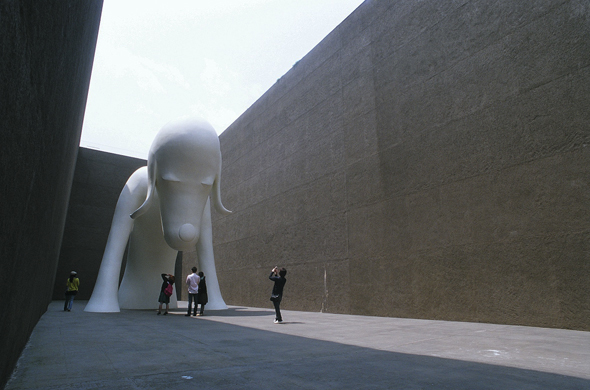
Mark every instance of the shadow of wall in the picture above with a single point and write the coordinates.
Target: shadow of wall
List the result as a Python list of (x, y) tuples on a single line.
[(45, 66), (425, 160), (98, 180)]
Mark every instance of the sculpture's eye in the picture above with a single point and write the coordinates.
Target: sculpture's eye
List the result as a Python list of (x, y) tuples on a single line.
[(171, 177)]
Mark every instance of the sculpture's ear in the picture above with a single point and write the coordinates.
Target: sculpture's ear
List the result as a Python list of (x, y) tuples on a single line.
[(150, 192), (216, 194)]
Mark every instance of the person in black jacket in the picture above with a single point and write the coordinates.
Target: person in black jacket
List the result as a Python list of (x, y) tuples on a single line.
[(202, 297), (278, 276)]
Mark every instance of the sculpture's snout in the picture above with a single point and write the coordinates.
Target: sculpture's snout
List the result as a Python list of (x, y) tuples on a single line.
[(187, 232)]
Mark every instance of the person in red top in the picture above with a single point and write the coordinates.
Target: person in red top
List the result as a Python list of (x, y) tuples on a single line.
[(165, 299)]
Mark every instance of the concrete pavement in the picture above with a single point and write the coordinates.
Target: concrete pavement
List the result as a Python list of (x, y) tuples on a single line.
[(241, 348)]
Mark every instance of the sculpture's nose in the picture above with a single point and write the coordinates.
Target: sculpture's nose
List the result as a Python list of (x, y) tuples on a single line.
[(187, 232)]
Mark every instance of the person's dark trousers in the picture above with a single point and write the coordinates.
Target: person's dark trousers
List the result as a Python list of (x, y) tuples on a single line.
[(192, 298), (277, 310), (202, 309)]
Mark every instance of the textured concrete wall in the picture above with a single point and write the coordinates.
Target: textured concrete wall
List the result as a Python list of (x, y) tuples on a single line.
[(47, 49), (98, 180), (428, 159)]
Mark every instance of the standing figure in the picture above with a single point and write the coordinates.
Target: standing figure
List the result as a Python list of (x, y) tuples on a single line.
[(168, 282), (277, 276), (71, 290), (202, 297), (192, 281)]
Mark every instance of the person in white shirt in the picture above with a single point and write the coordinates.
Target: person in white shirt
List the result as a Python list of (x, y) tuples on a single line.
[(192, 281)]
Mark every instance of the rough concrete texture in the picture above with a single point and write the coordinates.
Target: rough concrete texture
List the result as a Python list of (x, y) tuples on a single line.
[(47, 49), (426, 160), (98, 180), (241, 348)]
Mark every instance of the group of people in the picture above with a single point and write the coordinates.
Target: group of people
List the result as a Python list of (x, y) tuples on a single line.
[(197, 291)]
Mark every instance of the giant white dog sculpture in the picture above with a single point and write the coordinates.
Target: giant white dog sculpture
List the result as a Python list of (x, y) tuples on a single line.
[(163, 208)]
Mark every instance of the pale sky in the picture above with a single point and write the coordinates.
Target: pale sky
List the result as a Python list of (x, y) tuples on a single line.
[(159, 60)]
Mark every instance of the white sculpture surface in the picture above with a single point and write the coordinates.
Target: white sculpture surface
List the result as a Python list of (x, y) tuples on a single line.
[(163, 208)]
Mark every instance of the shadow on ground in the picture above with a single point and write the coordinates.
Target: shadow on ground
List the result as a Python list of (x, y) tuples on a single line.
[(231, 312)]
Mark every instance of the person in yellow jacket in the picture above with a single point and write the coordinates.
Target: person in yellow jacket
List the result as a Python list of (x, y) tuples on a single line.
[(71, 290)]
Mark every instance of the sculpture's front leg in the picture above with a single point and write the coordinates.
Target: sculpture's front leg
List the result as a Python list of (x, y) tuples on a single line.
[(207, 261), (148, 257), (105, 294)]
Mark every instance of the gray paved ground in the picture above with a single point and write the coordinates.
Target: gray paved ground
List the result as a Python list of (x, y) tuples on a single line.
[(241, 348)]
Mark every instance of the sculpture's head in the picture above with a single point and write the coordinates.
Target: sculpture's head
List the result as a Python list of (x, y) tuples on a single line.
[(184, 167)]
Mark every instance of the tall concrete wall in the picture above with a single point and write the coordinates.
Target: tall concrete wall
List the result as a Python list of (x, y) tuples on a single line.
[(98, 180), (428, 159), (47, 49)]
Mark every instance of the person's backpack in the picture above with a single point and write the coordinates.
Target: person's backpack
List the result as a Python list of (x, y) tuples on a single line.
[(168, 290)]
